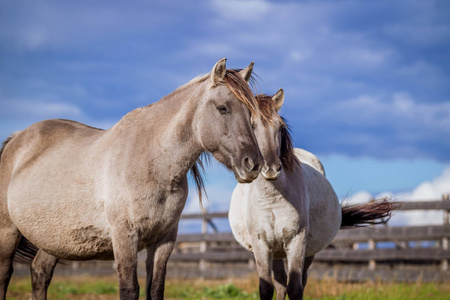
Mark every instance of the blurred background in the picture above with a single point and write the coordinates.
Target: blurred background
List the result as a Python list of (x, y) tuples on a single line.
[(367, 83)]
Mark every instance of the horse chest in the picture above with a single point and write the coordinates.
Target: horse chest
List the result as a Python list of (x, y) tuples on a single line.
[(277, 225)]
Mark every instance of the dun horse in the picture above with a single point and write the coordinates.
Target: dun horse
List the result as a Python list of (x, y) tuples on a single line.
[(82, 193), (294, 216)]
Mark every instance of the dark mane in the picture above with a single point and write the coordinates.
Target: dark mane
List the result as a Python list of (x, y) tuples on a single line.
[(287, 156), (196, 173), (269, 113)]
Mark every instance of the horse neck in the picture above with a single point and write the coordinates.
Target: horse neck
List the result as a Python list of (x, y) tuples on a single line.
[(160, 136), (269, 191)]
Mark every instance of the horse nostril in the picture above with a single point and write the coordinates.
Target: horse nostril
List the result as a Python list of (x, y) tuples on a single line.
[(248, 163), (279, 168)]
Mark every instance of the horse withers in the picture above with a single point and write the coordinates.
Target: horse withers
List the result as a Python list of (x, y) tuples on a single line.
[(294, 216), (80, 193)]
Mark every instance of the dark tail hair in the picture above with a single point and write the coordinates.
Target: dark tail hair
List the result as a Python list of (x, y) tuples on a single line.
[(26, 251), (8, 139), (365, 214)]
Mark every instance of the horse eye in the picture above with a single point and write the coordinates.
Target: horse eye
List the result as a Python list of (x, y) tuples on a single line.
[(222, 109)]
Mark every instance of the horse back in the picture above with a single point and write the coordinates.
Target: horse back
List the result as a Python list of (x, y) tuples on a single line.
[(47, 137)]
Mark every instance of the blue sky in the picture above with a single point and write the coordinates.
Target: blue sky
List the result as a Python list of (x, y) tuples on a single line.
[(367, 83)]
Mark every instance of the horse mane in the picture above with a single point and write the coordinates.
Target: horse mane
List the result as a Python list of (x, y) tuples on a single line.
[(240, 88), (196, 172), (287, 156), (268, 114)]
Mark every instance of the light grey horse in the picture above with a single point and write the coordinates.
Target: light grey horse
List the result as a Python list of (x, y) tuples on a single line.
[(81, 193), (294, 216)]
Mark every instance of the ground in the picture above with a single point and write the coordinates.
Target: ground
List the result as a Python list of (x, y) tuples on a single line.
[(105, 288)]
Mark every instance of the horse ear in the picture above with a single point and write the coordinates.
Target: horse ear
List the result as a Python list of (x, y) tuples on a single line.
[(278, 98), (218, 72), (247, 72)]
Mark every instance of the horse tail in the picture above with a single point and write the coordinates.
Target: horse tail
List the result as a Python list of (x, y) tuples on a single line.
[(5, 142), (365, 214), (26, 251)]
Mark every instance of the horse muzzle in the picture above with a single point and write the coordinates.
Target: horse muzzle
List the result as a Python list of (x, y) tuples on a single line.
[(248, 171), (272, 172)]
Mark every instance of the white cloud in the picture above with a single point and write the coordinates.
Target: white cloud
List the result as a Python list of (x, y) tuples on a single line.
[(241, 10), (39, 109)]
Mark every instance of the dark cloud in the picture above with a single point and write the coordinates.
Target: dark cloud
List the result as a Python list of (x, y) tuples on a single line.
[(361, 77)]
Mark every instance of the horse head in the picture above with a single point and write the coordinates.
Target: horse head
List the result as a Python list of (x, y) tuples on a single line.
[(268, 128), (224, 122)]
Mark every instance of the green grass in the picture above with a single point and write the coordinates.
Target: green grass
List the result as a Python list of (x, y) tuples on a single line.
[(222, 291), (90, 287)]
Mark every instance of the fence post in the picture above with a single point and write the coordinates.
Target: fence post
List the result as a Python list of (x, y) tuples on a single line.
[(203, 244), (444, 262), (446, 197), (372, 263), (75, 265)]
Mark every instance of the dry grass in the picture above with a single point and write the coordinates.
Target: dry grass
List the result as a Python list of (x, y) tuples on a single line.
[(105, 288)]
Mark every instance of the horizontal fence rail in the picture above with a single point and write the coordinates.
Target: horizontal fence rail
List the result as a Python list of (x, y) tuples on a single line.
[(355, 254), (385, 234), (405, 253)]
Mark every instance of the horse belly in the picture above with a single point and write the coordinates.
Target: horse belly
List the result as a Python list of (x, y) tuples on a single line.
[(62, 217), (324, 225)]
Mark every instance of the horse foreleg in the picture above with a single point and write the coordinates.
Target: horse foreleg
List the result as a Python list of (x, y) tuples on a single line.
[(280, 277), (157, 257), (263, 258), (308, 262), (125, 245), (41, 274), (9, 240), (296, 257), (149, 263)]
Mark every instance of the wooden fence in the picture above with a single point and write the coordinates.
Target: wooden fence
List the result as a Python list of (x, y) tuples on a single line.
[(387, 253)]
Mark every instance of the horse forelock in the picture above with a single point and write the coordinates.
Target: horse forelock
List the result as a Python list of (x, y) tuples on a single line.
[(235, 83), (268, 110), (239, 87), (287, 156)]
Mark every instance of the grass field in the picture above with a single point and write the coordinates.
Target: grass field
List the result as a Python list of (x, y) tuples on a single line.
[(102, 288)]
